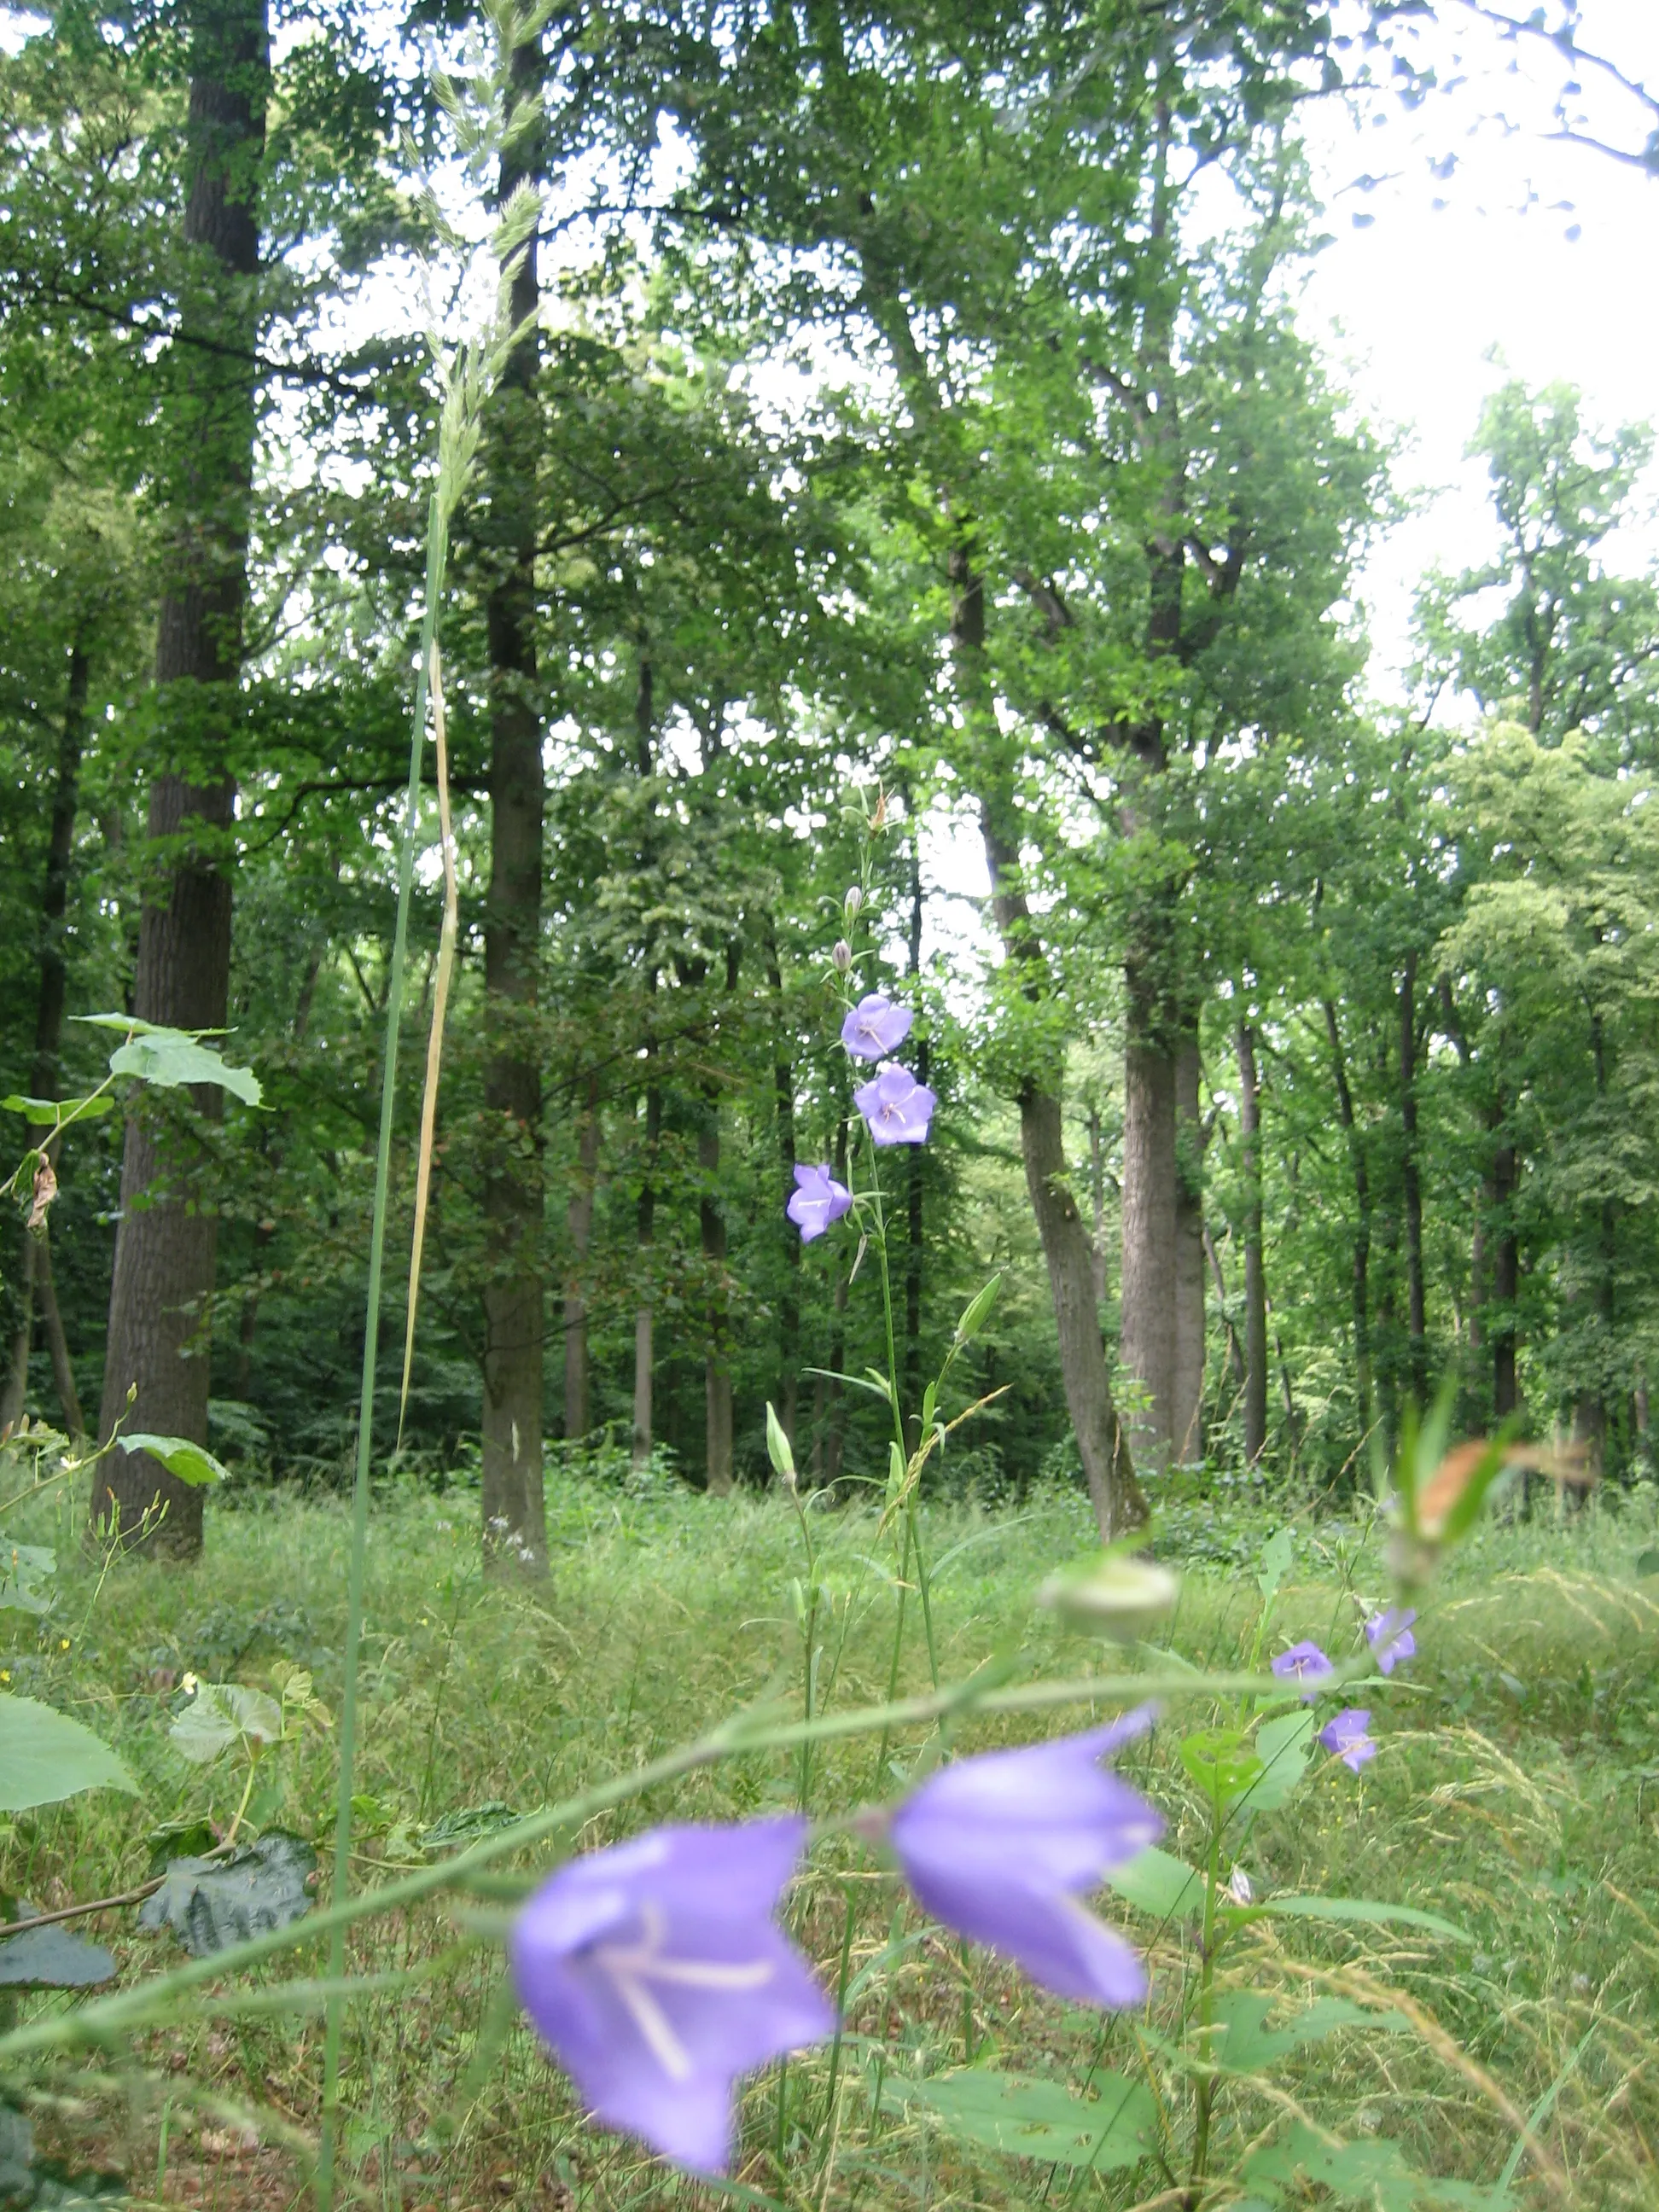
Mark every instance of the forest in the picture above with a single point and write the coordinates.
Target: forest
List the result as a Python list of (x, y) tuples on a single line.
[(701, 862)]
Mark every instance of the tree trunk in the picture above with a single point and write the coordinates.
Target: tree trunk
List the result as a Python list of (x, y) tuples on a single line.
[(1097, 1205), (717, 1360), (1235, 1356), (1362, 1235), (165, 1251), (783, 1100), (1148, 1307), (1255, 1287), (644, 1315), (1505, 1281), (579, 1219), (1411, 1187), (44, 1075), (916, 1174), (515, 1306), (1188, 1392)]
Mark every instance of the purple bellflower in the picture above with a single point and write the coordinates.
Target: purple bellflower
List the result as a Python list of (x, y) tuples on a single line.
[(997, 1846), (898, 1108), (1389, 1634), (1305, 1663), (1347, 1737), (657, 1973), (816, 1201), (876, 1028)]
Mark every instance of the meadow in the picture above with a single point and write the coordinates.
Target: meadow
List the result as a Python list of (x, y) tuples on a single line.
[(1513, 1797)]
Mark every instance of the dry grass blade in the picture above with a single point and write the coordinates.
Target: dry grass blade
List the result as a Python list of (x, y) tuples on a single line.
[(435, 1045)]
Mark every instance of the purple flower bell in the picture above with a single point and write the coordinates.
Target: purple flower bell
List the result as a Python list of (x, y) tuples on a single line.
[(876, 1028), (998, 1846), (1389, 1634), (1347, 1737), (816, 1201), (1305, 1663), (898, 1108), (657, 1973)]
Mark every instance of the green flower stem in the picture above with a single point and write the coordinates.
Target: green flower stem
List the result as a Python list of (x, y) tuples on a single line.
[(107, 2018), (435, 551)]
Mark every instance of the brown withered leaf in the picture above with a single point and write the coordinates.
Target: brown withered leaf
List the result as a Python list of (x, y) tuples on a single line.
[(1435, 1499), (46, 1189)]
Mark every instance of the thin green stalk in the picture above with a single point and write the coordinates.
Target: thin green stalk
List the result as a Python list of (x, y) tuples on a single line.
[(1204, 2097), (435, 550), (127, 2009)]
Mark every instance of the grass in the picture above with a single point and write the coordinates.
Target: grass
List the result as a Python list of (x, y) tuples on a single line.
[(1517, 1794)]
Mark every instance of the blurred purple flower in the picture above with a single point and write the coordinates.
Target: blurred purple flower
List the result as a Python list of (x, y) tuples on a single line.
[(655, 1971), (876, 1028), (816, 1201), (898, 1108), (1389, 1634), (1304, 1663), (1345, 1737), (996, 1847)]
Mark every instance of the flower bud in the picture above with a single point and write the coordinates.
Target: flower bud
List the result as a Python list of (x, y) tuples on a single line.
[(1111, 1596), (842, 956), (852, 902)]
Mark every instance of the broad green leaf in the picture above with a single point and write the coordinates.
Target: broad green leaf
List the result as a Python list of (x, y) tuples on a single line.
[(1278, 1557), (47, 1113), (1283, 1746), (46, 1756), (25, 1569), (170, 1060), (1373, 2173), (211, 1904), (1361, 1908), (222, 1714), (50, 1958), (1031, 2118), (1248, 2046), (188, 1463), (1157, 1882)]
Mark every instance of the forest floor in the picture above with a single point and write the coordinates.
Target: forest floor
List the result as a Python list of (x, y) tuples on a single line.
[(1517, 1793)]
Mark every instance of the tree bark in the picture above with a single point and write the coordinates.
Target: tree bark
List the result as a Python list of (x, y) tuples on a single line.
[(783, 1096), (1411, 1187), (1255, 1286), (579, 1220), (1186, 1403), (165, 1251), (717, 1360), (1097, 1205), (1505, 1281), (644, 1315), (1360, 1274), (44, 1074), (1107, 1462), (1147, 1334), (916, 1174), (514, 1304)]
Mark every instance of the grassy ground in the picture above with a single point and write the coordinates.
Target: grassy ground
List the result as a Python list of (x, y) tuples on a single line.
[(1517, 1794)]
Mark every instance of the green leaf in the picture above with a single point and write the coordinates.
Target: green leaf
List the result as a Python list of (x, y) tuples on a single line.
[(1363, 1910), (187, 1461), (1647, 1563), (1278, 1557), (222, 1714), (1222, 1763), (1248, 2046), (50, 1958), (170, 1060), (47, 1113), (177, 1840), (455, 1831), (1283, 1747), (778, 1448), (24, 1569), (1373, 2173), (46, 1756), (977, 1311), (212, 1904), (1031, 2118), (877, 1389), (1156, 1882)]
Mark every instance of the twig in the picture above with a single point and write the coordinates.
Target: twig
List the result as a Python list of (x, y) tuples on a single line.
[(78, 1911)]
